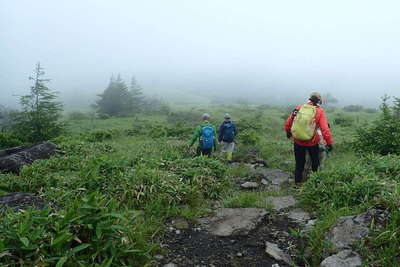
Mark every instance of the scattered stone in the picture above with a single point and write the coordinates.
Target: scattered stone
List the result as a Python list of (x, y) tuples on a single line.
[(299, 215), (249, 165), (275, 265), (180, 223), (350, 229), (158, 257), (274, 188), (282, 202), (249, 185), (286, 163), (170, 265), (235, 164), (239, 254), (345, 258), (309, 225), (178, 232), (13, 159), (227, 222), (259, 163), (275, 252), (264, 182)]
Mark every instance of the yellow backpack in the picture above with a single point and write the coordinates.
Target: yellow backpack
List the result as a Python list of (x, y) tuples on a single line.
[(304, 127)]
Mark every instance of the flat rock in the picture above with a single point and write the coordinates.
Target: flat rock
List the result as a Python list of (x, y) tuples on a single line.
[(281, 202), (227, 222), (170, 265), (180, 223), (249, 185), (273, 176), (345, 258), (275, 252), (350, 229), (299, 215)]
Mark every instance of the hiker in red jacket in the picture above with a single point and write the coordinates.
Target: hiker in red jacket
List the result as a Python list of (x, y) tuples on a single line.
[(302, 125)]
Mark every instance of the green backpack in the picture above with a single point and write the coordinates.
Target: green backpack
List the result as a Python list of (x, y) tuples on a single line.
[(304, 126)]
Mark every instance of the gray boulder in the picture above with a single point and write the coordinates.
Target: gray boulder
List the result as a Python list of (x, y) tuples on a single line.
[(227, 222), (13, 159), (274, 177), (350, 229), (345, 258), (18, 201)]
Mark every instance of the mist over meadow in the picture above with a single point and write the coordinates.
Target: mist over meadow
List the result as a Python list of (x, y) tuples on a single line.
[(193, 52)]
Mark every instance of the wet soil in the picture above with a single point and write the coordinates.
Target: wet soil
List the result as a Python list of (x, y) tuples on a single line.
[(195, 247)]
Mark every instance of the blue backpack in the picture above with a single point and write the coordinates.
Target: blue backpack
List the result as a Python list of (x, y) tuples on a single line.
[(207, 137), (228, 132)]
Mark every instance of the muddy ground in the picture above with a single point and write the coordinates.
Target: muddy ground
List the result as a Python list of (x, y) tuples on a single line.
[(195, 247)]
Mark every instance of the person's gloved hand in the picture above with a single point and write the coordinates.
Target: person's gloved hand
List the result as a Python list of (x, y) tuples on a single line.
[(329, 148), (288, 135)]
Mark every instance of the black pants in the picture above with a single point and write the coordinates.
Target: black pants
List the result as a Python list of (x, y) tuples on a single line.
[(300, 156), (204, 152)]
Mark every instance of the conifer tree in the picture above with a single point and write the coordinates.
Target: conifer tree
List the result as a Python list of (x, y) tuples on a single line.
[(116, 99), (137, 95), (40, 116)]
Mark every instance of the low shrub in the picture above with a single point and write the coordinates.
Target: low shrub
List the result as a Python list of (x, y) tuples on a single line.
[(353, 108), (249, 137), (370, 110), (343, 120), (158, 130), (184, 118), (8, 140), (346, 186), (103, 116), (249, 124), (287, 112), (100, 135), (78, 115), (89, 231), (383, 136)]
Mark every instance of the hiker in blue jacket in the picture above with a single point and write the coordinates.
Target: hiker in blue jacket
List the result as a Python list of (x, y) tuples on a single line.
[(226, 136)]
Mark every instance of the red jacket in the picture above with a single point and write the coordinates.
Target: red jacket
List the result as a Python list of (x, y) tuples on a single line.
[(321, 122)]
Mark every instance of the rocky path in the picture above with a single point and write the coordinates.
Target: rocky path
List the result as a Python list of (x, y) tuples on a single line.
[(241, 236), (263, 237)]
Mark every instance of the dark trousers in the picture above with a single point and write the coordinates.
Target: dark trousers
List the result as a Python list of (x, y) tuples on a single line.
[(300, 156), (204, 152)]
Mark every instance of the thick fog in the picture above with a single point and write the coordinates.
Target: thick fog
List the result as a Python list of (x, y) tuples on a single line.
[(193, 51)]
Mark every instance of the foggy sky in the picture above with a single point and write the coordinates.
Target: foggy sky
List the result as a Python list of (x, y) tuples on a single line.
[(180, 48)]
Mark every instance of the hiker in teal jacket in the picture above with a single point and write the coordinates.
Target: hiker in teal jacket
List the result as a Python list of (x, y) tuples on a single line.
[(206, 135)]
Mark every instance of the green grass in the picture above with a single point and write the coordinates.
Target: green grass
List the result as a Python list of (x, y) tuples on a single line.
[(137, 173)]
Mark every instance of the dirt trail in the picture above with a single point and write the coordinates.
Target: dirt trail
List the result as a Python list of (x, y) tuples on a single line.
[(240, 237)]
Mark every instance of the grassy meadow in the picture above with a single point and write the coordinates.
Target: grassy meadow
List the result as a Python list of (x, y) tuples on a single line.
[(121, 178)]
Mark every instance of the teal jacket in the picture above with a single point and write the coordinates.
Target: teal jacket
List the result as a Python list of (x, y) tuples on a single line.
[(197, 134)]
